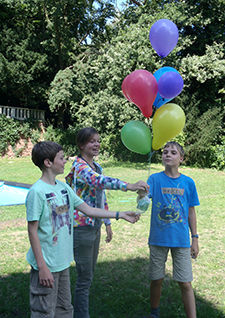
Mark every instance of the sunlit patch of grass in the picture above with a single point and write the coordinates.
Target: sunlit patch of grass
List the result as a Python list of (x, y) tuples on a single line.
[(120, 287)]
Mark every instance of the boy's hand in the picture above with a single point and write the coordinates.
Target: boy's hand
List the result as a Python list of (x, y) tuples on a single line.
[(194, 248), (46, 277), (129, 216), (140, 185), (141, 194)]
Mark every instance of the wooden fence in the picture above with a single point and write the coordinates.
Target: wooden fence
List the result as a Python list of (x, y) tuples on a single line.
[(22, 113)]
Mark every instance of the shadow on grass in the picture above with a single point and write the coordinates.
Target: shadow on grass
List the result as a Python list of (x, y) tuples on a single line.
[(14, 296), (120, 289)]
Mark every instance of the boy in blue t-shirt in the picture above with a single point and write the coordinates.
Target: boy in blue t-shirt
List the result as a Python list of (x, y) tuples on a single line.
[(174, 198), (50, 204)]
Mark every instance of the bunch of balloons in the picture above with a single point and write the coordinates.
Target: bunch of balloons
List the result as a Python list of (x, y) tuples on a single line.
[(146, 90)]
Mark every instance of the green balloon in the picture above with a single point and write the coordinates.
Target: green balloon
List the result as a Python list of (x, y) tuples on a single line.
[(136, 136)]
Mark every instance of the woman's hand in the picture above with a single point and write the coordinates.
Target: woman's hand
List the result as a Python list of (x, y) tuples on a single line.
[(109, 233), (140, 185)]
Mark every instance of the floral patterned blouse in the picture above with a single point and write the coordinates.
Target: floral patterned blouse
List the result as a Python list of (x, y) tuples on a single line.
[(86, 183)]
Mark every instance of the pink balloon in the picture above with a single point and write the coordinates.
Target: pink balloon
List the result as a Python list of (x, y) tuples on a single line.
[(124, 88), (140, 87)]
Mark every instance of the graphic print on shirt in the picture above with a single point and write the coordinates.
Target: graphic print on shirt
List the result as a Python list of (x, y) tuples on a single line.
[(171, 211), (59, 213)]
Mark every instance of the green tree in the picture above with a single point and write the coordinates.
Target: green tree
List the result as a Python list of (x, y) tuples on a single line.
[(38, 38), (99, 100), (75, 56), (23, 65)]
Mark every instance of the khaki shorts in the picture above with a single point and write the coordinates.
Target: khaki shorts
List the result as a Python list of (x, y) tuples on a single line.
[(182, 268), (53, 302)]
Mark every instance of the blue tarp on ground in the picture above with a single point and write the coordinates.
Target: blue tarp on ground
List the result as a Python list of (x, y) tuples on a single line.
[(12, 195)]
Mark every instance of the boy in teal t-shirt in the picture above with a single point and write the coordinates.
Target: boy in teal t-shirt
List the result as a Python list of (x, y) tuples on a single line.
[(50, 204)]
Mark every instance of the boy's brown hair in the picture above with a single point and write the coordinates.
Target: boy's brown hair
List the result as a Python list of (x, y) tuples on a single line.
[(45, 150), (175, 144)]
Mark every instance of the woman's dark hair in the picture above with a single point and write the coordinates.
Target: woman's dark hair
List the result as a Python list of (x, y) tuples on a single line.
[(84, 136)]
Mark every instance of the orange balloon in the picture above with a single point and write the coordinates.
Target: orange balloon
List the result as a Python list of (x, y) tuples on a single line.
[(168, 122)]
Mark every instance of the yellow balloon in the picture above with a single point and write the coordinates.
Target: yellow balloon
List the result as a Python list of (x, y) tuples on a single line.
[(168, 121)]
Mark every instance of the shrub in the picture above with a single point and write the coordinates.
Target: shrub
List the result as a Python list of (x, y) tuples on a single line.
[(65, 137), (12, 129)]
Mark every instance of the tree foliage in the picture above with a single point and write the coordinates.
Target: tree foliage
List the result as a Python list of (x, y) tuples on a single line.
[(98, 100), (38, 38), (75, 55)]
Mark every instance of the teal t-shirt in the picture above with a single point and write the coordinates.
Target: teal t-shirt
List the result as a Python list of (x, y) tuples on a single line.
[(52, 206)]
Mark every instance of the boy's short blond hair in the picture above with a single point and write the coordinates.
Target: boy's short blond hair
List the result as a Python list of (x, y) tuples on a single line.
[(175, 144)]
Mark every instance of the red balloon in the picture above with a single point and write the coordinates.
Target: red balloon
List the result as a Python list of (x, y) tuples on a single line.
[(124, 89), (140, 87)]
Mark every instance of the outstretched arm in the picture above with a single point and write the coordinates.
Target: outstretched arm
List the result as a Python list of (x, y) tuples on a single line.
[(140, 185), (85, 173), (45, 276), (129, 216), (193, 228)]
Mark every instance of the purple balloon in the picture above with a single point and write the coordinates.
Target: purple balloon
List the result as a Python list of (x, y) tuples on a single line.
[(163, 36), (170, 84), (159, 100)]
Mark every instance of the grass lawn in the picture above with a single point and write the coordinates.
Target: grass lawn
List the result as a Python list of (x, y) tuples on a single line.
[(120, 287)]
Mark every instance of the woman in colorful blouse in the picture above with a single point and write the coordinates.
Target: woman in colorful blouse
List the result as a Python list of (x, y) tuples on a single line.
[(87, 180)]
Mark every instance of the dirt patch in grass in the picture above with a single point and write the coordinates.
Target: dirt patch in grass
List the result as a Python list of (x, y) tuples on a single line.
[(13, 223)]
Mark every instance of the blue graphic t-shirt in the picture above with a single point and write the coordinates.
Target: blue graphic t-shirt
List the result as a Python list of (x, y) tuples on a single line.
[(52, 206), (171, 199)]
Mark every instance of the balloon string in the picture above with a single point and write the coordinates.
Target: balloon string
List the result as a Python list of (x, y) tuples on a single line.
[(163, 99), (159, 100), (149, 160), (151, 152)]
